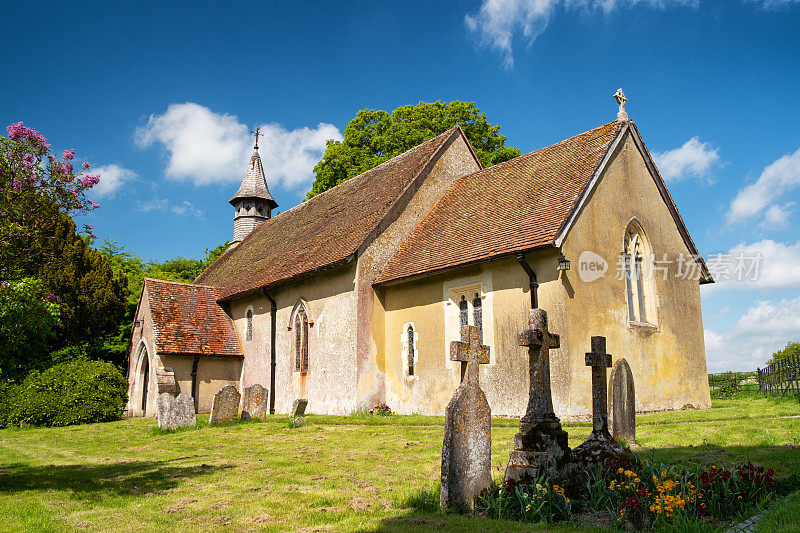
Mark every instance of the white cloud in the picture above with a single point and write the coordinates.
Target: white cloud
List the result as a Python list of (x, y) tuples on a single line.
[(764, 265), (692, 159), (764, 328), (776, 4), (290, 156), (777, 216), (206, 147), (497, 22), (775, 181), (180, 208), (111, 179)]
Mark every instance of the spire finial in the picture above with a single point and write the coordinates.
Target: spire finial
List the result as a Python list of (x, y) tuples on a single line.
[(257, 134), (619, 96)]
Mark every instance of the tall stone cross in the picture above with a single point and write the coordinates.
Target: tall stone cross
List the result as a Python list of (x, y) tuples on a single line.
[(470, 352), (541, 444), (599, 360), (467, 447), (600, 445), (539, 341)]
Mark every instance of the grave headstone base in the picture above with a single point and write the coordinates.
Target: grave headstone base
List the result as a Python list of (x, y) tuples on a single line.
[(539, 447)]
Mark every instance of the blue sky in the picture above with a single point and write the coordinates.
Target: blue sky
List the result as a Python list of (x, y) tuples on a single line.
[(160, 97)]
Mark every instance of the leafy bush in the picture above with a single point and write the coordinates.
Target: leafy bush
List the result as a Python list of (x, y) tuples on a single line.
[(76, 392), (724, 386), (9, 403)]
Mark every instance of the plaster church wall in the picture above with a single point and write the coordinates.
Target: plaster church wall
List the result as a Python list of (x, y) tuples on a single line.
[(429, 305), (331, 303), (456, 161), (668, 358)]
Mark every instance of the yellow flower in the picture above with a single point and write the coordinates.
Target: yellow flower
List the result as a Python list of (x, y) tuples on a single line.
[(620, 470)]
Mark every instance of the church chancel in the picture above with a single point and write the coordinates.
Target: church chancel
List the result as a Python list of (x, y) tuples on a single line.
[(353, 297)]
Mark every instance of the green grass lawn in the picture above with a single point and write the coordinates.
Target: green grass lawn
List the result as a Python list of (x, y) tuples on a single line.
[(337, 473)]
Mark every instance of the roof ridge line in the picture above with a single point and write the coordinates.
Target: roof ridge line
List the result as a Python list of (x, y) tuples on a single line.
[(181, 283)]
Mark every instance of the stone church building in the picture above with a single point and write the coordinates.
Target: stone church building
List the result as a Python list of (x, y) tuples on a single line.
[(351, 298)]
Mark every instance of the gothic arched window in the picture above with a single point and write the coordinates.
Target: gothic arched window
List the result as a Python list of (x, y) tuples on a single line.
[(298, 341), (411, 351), (304, 347), (639, 288), (249, 328), (477, 315)]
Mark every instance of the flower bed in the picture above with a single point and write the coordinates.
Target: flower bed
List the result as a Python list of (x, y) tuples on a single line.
[(644, 496)]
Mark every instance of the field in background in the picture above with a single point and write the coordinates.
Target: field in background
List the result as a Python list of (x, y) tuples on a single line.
[(337, 473)]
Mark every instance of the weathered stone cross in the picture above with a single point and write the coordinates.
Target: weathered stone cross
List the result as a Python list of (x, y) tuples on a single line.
[(539, 341), (470, 352), (599, 360)]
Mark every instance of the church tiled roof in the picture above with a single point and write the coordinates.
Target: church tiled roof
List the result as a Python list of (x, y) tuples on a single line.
[(187, 320), (514, 206), (323, 231)]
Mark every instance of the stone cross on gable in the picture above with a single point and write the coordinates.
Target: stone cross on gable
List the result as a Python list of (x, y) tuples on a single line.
[(539, 341), (599, 360), (619, 96), (470, 352)]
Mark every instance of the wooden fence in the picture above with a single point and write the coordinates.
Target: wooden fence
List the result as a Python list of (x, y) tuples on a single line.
[(780, 377)]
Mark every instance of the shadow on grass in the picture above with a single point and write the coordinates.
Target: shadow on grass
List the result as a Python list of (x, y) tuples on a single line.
[(88, 481)]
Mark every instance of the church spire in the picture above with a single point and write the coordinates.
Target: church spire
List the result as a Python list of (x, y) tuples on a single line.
[(253, 202)]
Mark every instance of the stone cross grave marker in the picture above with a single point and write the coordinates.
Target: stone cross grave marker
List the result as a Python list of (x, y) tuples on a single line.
[(541, 444), (225, 405), (467, 447), (175, 412), (600, 445), (622, 403), (255, 403)]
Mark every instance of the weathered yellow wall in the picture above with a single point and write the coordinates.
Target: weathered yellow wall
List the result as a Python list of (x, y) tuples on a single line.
[(329, 383), (424, 303), (668, 360), (456, 161), (213, 373)]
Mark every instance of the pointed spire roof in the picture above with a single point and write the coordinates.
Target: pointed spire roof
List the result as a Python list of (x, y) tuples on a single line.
[(254, 183)]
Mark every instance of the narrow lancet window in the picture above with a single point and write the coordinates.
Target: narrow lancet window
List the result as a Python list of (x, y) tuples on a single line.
[(411, 351), (477, 315), (249, 328), (304, 358), (463, 307), (298, 342)]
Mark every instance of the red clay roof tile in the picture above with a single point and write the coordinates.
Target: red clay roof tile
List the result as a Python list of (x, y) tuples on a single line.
[(322, 231), (188, 320), (514, 206)]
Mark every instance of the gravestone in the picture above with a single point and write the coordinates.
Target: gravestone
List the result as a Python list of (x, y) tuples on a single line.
[(467, 447), (541, 444), (255, 403), (600, 445), (299, 407), (622, 403), (225, 405), (175, 412)]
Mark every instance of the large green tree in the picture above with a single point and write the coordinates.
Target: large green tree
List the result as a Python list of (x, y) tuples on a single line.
[(374, 136), (91, 295)]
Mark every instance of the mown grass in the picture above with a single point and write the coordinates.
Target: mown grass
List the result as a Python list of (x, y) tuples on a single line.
[(357, 473)]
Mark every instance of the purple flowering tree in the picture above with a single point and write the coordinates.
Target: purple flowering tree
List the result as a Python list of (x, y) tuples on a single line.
[(36, 190)]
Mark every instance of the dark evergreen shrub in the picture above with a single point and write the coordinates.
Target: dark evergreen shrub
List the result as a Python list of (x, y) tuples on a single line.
[(76, 392)]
